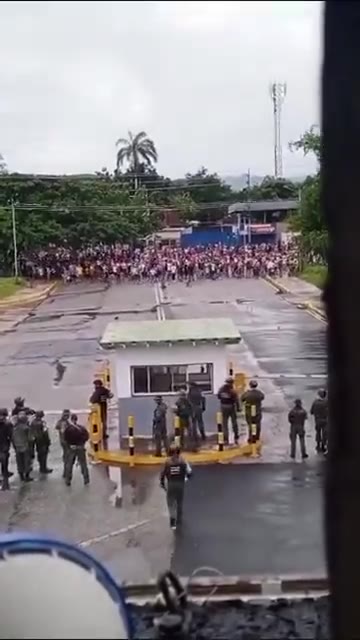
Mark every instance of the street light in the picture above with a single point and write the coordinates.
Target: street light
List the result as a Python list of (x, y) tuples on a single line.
[(13, 222)]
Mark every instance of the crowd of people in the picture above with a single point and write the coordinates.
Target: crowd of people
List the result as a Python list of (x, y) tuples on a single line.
[(160, 263)]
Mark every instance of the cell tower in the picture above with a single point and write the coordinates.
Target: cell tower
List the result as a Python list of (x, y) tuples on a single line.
[(277, 94)]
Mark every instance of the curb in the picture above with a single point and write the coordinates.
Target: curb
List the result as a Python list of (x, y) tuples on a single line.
[(32, 298), (202, 457), (309, 306), (236, 586)]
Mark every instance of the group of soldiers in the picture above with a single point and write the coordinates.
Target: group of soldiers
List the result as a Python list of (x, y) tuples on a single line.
[(26, 431), (190, 407), (177, 471)]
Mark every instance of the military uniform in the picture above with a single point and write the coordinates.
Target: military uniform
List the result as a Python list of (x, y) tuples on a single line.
[(75, 437), (252, 399), (172, 479), (21, 439), (183, 410), (197, 402), (5, 443), (229, 405), (319, 409), (41, 440), (159, 426), (60, 428), (297, 417)]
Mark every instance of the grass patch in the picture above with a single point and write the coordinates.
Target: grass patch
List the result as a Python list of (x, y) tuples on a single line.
[(315, 274), (9, 286)]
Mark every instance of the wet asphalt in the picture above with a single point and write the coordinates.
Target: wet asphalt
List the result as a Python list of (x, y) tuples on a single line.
[(245, 518)]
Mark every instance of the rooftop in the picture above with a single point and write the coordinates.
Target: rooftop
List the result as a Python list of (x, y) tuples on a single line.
[(155, 332), (264, 205)]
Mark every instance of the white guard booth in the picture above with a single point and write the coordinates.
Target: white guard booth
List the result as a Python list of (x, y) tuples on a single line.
[(152, 358)]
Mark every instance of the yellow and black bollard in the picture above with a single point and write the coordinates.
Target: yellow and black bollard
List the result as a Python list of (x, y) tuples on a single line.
[(231, 369), (95, 430), (220, 433), (131, 439), (253, 431), (177, 431)]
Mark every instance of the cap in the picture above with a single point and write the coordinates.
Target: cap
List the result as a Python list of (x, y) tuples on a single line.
[(98, 382), (253, 384), (229, 380), (19, 400)]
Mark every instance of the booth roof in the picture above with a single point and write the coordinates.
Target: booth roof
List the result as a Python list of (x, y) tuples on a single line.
[(120, 333)]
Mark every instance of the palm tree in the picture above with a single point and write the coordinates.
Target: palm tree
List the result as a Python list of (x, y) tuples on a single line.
[(136, 150)]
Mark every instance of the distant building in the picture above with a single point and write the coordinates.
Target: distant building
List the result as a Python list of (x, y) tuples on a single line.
[(263, 211)]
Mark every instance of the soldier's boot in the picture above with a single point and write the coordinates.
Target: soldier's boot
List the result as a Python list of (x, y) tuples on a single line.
[(42, 459)]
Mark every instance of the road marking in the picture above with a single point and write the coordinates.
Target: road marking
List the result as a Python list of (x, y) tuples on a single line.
[(112, 534)]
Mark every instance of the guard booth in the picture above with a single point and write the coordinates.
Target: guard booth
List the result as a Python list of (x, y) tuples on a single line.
[(152, 358)]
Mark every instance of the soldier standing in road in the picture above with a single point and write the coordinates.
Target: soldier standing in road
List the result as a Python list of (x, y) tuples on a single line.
[(253, 398), (297, 417), (198, 406), (100, 396), (60, 427), (319, 409), (21, 439), (183, 410), (75, 437), (159, 426), (172, 478), (19, 405), (5, 443), (229, 406), (41, 440)]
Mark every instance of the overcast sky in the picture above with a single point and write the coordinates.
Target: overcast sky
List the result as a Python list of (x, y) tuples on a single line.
[(195, 76)]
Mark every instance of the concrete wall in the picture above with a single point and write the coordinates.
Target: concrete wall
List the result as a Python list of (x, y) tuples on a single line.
[(142, 409), (165, 355)]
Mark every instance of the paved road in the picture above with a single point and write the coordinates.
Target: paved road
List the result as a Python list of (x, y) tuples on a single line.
[(253, 501)]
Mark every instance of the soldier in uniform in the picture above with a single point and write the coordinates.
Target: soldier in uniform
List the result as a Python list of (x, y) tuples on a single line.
[(319, 409), (60, 428), (19, 405), (229, 406), (253, 399), (198, 406), (297, 417), (172, 478), (75, 437), (41, 440), (183, 410), (21, 439), (159, 426), (5, 443)]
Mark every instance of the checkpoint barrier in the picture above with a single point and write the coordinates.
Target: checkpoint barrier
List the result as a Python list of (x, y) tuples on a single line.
[(95, 430), (220, 433)]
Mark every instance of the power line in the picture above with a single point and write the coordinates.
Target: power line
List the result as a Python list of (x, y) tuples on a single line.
[(115, 208)]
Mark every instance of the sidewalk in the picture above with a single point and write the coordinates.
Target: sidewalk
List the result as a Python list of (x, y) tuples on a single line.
[(303, 293), (14, 309)]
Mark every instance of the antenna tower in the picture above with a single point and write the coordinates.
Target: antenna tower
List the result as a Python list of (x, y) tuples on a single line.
[(277, 94)]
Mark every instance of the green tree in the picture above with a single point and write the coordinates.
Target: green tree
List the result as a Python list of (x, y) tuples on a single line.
[(135, 150), (3, 165), (310, 220)]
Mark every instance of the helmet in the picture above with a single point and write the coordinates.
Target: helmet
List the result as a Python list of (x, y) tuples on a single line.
[(322, 393), (39, 413), (19, 400), (253, 384), (4, 412)]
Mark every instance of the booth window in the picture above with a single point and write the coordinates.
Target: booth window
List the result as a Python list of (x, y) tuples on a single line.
[(170, 379)]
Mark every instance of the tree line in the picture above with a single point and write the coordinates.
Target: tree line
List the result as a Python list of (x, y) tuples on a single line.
[(128, 203)]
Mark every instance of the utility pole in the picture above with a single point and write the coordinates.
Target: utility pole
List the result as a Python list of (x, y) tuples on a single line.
[(248, 186), (277, 94), (13, 219)]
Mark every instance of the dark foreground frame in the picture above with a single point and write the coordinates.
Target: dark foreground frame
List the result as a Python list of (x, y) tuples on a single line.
[(341, 181)]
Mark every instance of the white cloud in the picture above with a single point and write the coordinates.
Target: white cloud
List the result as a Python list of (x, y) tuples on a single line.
[(195, 75)]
